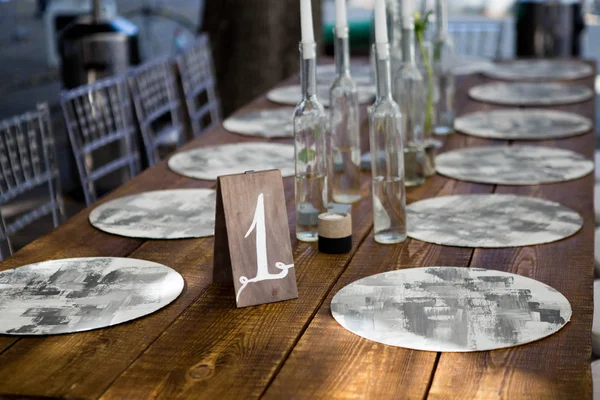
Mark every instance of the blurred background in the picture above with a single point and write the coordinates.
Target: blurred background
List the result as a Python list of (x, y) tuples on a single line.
[(29, 59)]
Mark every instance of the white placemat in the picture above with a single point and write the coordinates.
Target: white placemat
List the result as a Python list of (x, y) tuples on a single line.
[(530, 94), (211, 162), (273, 123), (450, 309), (466, 65), (291, 95), (514, 165), (361, 74), (80, 294), (161, 214), (540, 70), (490, 220), (522, 124)]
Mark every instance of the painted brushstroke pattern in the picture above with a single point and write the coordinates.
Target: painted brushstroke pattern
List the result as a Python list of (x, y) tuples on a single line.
[(161, 214), (272, 123), (540, 70), (211, 162), (80, 294), (490, 220), (519, 124), (530, 94), (450, 309), (291, 95), (514, 165)]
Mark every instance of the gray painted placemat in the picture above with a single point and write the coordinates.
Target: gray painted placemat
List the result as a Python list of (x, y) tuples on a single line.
[(466, 65), (514, 165), (450, 309), (361, 74), (160, 214), (540, 70), (211, 162), (80, 294), (291, 95), (522, 124), (273, 123), (530, 94), (490, 220)]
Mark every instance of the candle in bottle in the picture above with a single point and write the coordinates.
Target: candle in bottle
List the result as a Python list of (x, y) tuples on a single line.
[(407, 12), (341, 20), (306, 27), (381, 38)]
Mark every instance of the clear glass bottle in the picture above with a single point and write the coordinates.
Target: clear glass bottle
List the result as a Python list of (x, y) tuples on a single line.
[(443, 61), (387, 158), (409, 93), (424, 58), (310, 151), (344, 160)]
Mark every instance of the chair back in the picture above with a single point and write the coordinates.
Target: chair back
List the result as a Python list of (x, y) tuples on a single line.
[(198, 81), (28, 161), (97, 115), (477, 38), (157, 106)]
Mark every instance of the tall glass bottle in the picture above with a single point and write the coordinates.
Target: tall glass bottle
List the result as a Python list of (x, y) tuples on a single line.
[(387, 160), (344, 164), (443, 60), (409, 93), (310, 150)]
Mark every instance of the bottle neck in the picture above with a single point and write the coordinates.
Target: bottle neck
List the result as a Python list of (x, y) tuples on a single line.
[(441, 18), (408, 45), (308, 77), (382, 67), (341, 53)]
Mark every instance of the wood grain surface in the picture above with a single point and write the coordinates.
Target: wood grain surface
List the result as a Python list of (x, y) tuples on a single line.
[(202, 346)]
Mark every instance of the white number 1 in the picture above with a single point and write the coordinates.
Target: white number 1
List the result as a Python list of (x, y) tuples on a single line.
[(262, 265)]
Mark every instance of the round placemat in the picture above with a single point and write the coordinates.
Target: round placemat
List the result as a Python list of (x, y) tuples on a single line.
[(80, 294), (514, 165), (540, 70), (530, 94), (450, 309), (361, 74), (161, 214), (490, 220), (273, 123), (466, 65), (291, 95), (211, 162), (519, 124)]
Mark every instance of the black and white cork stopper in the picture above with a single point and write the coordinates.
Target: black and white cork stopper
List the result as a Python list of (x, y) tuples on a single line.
[(335, 233)]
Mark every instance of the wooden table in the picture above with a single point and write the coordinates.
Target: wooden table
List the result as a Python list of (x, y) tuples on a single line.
[(201, 346)]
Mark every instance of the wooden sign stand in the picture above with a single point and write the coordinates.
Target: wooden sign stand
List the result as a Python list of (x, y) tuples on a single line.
[(252, 238)]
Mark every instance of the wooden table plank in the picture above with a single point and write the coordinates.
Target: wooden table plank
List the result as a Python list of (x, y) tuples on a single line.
[(557, 367), (51, 365)]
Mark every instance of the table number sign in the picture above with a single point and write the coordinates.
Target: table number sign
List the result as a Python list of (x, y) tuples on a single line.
[(252, 238)]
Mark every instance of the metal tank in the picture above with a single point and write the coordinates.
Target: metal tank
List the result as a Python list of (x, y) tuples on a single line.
[(93, 47)]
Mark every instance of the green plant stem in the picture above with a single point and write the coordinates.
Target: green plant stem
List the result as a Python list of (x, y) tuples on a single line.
[(426, 61)]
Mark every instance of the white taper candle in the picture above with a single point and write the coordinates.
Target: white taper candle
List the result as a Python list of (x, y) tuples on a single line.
[(306, 27), (341, 20), (407, 12), (381, 38)]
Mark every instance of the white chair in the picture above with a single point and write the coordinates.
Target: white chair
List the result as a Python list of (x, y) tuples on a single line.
[(28, 161), (199, 85), (97, 115), (157, 107)]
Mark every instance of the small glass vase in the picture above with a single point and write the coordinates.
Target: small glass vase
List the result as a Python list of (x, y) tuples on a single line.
[(424, 59), (310, 151), (344, 140), (387, 157)]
